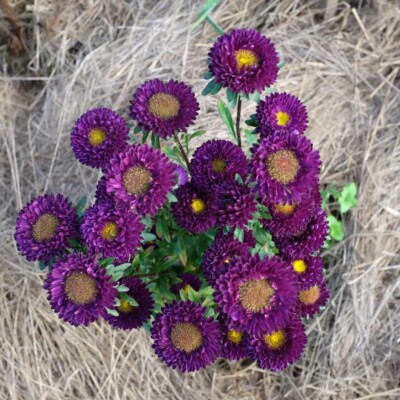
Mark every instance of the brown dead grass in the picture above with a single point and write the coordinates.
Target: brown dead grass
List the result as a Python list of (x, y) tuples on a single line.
[(86, 54)]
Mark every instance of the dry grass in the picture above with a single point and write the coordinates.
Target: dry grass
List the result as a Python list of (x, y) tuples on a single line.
[(84, 54)]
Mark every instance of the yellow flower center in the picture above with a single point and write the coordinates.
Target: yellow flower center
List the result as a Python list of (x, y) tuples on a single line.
[(235, 336), (255, 295), (198, 206), (164, 106), (246, 58), (283, 166), (275, 340), (219, 166), (299, 266), (310, 296), (286, 209), (45, 227), (137, 180), (96, 137), (186, 336), (80, 288), (226, 261), (186, 289), (282, 118), (125, 307), (109, 231)]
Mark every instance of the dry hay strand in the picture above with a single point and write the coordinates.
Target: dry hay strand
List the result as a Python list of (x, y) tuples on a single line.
[(83, 55)]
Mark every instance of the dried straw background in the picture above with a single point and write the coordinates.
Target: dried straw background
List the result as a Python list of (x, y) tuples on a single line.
[(82, 54)]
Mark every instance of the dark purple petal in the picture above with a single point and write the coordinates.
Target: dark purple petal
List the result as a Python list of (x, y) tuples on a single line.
[(187, 280)]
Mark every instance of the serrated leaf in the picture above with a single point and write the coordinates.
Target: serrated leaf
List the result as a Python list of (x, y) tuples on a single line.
[(347, 198), (208, 88), (114, 313), (226, 116), (336, 231)]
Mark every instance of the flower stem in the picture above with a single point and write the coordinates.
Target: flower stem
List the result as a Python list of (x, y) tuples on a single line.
[(184, 155), (239, 110)]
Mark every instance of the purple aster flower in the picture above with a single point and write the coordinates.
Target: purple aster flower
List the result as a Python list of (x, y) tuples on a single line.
[(291, 219), (236, 204), (216, 258), (182, 175), (131, 317), (184, 338), (141, 177), (97, 136), (308, 242), (308, 268), (164, 107), (79, 290), (44, 227), (217, 161), (312, 296), (276, 349), (101, 191), (281, 112), (195, 209), (285, 167), (234, 343), (256, 294), (114, 232), (244, 61), (187, 280)]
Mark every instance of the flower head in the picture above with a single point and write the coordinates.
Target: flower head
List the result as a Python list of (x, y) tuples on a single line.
[(141, 177), (291, 219), (308, 268), (281, 112), (184, 338), (216, 258), (79, 290), (101, 191), (276, 349), (256, 294), (97, 136), (44, 227), (234, 342), (236, 204), (308, 242), (285, 167), (311, 297), (217, 161), (187, 280), (195, 209), (131, 317), (164, 107), (244, 61), (114, 232)]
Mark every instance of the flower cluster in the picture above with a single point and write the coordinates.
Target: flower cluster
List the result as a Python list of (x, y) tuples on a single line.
[(217, 255)]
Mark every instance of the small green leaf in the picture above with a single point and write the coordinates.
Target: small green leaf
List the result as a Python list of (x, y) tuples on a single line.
[(336, 228), (122, 267), (232, 98), (347, 198), (281, 64), (239, 234), (251, 122), (106, 261), (116, 276), (155, 141), (148, 237), (208, 75), (172, 198), (217, 87), (74, 243), (137, 129), (81, 203), (255, 97), (239, 179), (117, 302), (208, 6), (129, 299), (114, 313), (196, 134), (122, 288), (250, 137), (209, 87), (42, 265), (183, 295), (144, 137), (226, 116)]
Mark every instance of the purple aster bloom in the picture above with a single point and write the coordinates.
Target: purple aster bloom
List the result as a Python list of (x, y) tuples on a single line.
[(216, 258), (183, 176), (308, 242), (276, 349), (285, 167), (97, 136), (187, 280), (195, 209), (184, 338), (234, 343), (217, 161), (131, 317), (79, 290), (236, 204), (256, 294), (164, 107), (141, 177), (244, 61), (44, 227), (308, 268), (281, 112), (114, 232), (312, 296), (101, 191), (291, 219)]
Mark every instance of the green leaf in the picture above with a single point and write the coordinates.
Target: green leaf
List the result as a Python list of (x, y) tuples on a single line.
[(144, 137), (122, 267), (42, 265), (209, 5), (117, 302), (155, 141), (281, 64), (251, 122), (106, 261), (347, 198), (232, 98), (239, 179), (122, 288), (239, 234), (193, 295), (114, 313), (336, 228), (116, 276), (255, 97), (208, 75), (74, 243), (217, 87), (137, 129), (196, 134), (250, 137), (148, 237), (209, 87), (129, 299), (226, 116), (172, 198), (81, 203), (183, 295)]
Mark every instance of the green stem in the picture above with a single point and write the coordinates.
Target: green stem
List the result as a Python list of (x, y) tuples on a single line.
[(218, 29), (182, 150), (239, 110)]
